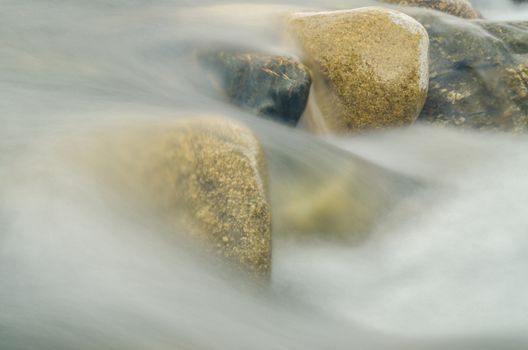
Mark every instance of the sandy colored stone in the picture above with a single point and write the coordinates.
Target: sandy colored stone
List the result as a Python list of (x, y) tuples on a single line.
[(460, 8), (369, 67), (206, 177)]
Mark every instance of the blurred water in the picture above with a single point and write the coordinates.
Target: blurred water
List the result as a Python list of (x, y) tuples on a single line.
[(80, 269)]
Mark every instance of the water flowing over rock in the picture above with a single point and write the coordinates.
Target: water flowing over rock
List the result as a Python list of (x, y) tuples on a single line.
[(341, 204), (369, 66), (478, 73), (320, 192), (275, 87), (460, 8), (206, 176)]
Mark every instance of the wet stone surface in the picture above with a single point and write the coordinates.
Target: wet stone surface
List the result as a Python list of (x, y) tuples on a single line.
[(478, 73), (323, 193), (369, 66), (273, 87), (459, 8), (205, 177)]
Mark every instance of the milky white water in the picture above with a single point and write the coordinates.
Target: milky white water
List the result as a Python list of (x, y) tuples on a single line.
[(80, 269)]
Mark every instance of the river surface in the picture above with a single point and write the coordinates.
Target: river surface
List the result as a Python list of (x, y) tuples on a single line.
[(446, 268)]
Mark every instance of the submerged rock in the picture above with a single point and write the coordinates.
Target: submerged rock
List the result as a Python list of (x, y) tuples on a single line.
[(513, 34), (334, 201), (478, 73), (369, 65), (275, 87), (320, 192), (205, 177), (460, 8), (342, 206)]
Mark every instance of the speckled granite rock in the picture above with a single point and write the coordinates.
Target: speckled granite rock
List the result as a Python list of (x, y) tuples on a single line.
[(369, 68), (205, 177), (275, 87), (460, 8), (478, 73)]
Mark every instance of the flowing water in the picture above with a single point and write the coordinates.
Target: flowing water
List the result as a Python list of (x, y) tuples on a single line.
[(80, 269)]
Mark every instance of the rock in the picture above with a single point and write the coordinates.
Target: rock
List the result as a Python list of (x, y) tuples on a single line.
[(320, 192), (478, 73), (460, 8), (275, 87), (369, 68), (513, 34), (333, 207), (205, 177)]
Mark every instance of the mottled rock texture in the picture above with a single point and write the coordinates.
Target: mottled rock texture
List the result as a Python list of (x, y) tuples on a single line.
[(205, 177), (478, 73), (460, 8), (369, 68), (274, 87), (321, 192)]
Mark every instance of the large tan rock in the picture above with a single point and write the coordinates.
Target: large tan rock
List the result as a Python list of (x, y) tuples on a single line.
[(206, 177), (460, 8), (369, 66)]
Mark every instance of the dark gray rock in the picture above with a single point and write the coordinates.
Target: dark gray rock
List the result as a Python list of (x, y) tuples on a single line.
[(459, 8), (478, 72), (275, 87)]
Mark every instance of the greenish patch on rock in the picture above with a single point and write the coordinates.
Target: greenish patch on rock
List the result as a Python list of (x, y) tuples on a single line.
[(322, 193), (274, 87)]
